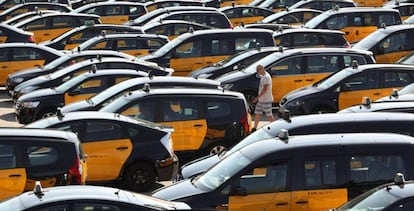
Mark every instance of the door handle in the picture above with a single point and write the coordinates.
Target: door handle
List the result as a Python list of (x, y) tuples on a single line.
[(4, 66), (15, 175), (310, 79), (199, 63), (46, 34), (121, 148), (198, 125), (301, 202), (346, 33), (357, 32), (297, 81), (282, 204), (376, 94)]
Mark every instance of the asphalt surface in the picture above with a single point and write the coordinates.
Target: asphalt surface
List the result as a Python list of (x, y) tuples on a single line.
[(7, 115)]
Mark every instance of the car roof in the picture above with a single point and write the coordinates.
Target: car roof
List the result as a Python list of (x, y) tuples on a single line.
[(106, 53), (222, 31), (31, 45), (126, 35), (359, 9), (173, 79), (269, 146), (367, 67), (166, 22), (51, 135), (76, 192), (103, 3), (383, 105), (330, 118), (305, 30), (72, 14)]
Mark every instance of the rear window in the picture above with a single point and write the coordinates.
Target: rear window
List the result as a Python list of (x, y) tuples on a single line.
[(7, 157), (42, 155)]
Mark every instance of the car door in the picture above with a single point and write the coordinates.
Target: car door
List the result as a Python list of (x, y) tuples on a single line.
[(190, 127), (23, 58), (107, 145), (12, 177), (394, 47), (187, 56), (353, 88), (114, 14), (262, 187)]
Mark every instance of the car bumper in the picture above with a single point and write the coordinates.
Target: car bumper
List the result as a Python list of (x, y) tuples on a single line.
[(167, 169), (24, 115)]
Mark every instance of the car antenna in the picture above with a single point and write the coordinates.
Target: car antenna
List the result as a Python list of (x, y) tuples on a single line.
[(150, 74), (366, 101), (394, 93), (146, 87), (38, 190), (354, 64), (94, 68)]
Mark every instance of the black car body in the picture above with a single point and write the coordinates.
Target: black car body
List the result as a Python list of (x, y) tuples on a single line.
[(134, 153), (56, 78), (32, 6), (9, 33), (65, 60), (95, 103), (44, 102), (310, 124), (303, 37), (76, 36), (346, 88)]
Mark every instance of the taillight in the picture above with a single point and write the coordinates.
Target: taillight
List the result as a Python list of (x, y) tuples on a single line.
[(31, 39), (347, 45), (75, 172), (245, 123)]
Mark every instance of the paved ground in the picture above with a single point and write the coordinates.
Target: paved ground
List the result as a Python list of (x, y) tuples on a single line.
[(7, 116)]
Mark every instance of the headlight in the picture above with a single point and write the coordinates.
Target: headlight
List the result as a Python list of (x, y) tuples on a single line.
[(30, 104), (227, 86), (17, 80), (27, 89)]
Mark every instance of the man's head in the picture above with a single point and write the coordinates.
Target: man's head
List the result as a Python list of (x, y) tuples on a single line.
[(260, 69)]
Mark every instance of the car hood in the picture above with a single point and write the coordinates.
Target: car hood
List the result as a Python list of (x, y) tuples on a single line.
[(40, 93), (82, 105), (232, 76), (177, 191), (198, 166), (301, 92), (32, 82)]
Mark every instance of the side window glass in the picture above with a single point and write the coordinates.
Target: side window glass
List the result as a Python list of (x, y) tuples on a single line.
[(348, 60), (128, 44), (246, 43), (92, 86), (306, 39), (388, 19), (373, 168), (113, 10), (36, 25), (188, 50), (265, 179), (180, 29), (337, 22), (7, 157), (396, 79), (220, 47), (287, 67), (98, 131), (319, 173), (141, 110), (362, 82), (103, 45), (4, 55), (322, 64), (394, 43), (64, 22), (179, 110), (22, 54), (62, 207), (42, 155), (93, 206), (217, 110)]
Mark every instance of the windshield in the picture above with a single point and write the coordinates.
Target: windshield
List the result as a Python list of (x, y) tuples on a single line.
[(114, 105), (332, 79), (266, 62), (222, 171), (273, 17), (371, 200), (111, 91), (259, 135), (370, 40), (314, 22), (57, 62)]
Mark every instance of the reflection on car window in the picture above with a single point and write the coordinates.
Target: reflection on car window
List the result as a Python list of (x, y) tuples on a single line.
[(7, 157), (42, 155), (265, 179)]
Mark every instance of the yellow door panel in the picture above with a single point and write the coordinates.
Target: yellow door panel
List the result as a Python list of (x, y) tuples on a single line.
[(349, 98), (151, 7), (389, 58), (46, 183), (48, 34), (183, 66), (354, 34), (12, 182), (4, 72), (15, 66), (115, 19), (315, 200), (106, 158), (245, 20), (71, 46), (188, 135), (136, 52), (131, 111), (3, 39), (75, 98), (268, 202), (284, 84)]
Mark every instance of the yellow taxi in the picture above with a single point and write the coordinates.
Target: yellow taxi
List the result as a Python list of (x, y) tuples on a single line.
[(245, 14)]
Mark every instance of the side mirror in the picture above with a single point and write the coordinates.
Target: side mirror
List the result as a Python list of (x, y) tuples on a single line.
[(239, 191)]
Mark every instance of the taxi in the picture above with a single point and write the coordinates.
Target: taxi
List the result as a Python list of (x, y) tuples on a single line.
[(74, 37), (154, 5), (6, 4), (114, 12), (9, 33), (51, 25), (43, 103), (347, 87), (323, 5), (19, 56), (134, 153), (172, 28), (245, 14), (275, 5), (294, 17), (389, 43), (304, 37), (133, 44), (32, 6), (406, 9)]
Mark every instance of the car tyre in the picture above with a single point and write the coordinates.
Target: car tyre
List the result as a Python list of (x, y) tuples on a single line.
[(217, 148), (250, 95), (47, 113), (140, 177)]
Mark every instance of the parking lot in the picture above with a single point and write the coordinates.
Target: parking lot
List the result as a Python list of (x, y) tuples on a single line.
[(7, 116)]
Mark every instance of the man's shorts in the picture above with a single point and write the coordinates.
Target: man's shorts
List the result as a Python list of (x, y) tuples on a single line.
[(263, 107)]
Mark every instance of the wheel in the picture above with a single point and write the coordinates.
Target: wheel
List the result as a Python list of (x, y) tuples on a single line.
[(216, 149), (140, 177), (250, 95), (46, 113)]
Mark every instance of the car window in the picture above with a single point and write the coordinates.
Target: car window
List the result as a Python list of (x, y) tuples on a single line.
[(265, 179), (97, 131), (141, 110), (4, 55), (53, 207), (323, 63), (36, 25), (394, 43), (406, 205), (64, 22), (22, 54), (336, 22), (362, 81), (370, 168), (319, 173), (216, 110), (7, 157), (220, 47), (42, 155), (188, 50), (291, 66), (179, 110), (92, 206), (396, 79)]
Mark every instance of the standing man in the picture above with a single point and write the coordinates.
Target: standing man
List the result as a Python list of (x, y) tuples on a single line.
[(264, 98)]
